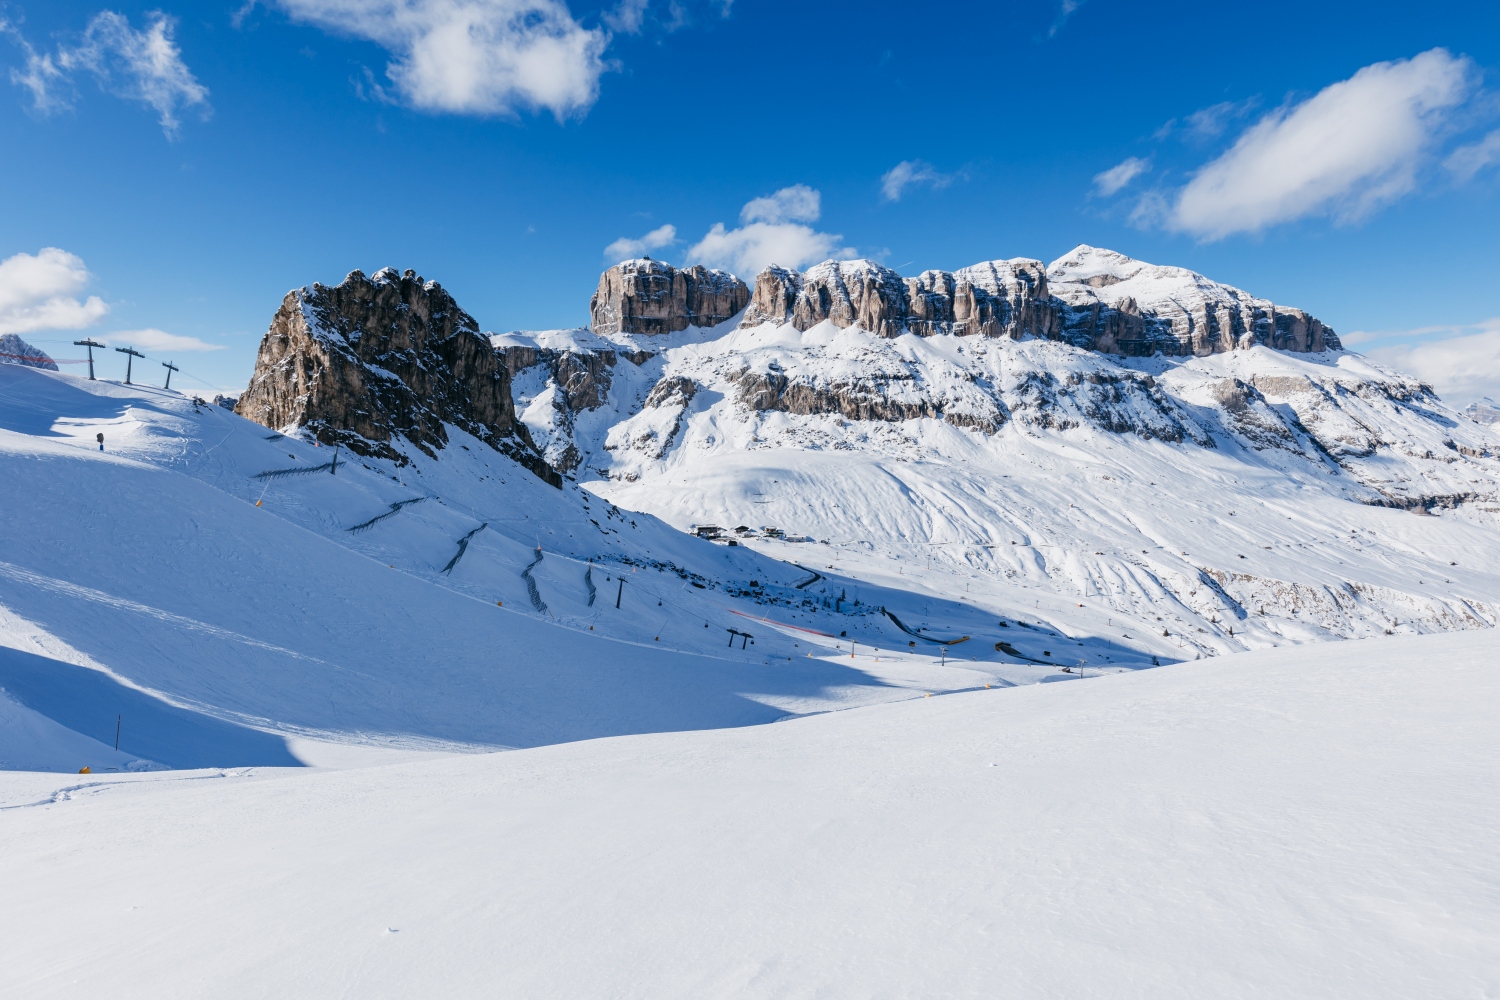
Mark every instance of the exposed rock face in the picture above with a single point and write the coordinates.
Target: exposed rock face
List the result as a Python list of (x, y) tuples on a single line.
[(858, 293), (15, 351), (378, 358), (1485, 411), (1109, 302), (569, 382), (651, 297), (1095, 299), (997, 298)]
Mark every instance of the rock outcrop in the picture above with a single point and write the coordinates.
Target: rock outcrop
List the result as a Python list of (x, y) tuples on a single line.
[(651, 297), (998, 298), (1095, 299), (1484, 411), (15, 351), (375, 359), (1112, 303)]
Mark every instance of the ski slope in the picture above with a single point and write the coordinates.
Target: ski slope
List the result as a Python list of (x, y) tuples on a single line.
[(1312, 822), (390, 607)]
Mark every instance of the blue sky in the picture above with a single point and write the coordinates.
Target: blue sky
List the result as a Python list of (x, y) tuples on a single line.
[(188, 163)]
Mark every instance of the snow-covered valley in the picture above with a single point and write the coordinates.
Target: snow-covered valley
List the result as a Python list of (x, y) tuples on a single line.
[(1099, 628)]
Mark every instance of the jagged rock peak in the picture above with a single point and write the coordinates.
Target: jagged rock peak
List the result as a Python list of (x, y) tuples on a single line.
[(1092, 298), (997, 298), (650, 296), (374, 359), (1113, 303)]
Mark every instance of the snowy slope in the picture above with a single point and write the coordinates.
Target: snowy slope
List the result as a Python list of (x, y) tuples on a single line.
[(1312, 823), (393, 606), (1178, 504)]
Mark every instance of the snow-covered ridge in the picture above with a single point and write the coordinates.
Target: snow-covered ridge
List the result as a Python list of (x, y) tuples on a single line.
[(1112, 303)]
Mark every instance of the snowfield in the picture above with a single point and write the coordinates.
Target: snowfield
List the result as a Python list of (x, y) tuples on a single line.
[(1300, 822), (1049, 706)]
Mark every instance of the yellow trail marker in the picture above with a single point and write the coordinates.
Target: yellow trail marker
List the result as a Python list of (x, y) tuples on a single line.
[(501, 604), (84, 770)]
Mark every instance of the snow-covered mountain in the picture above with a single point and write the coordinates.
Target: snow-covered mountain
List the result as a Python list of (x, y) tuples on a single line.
[(983, 499), (1139, 439)]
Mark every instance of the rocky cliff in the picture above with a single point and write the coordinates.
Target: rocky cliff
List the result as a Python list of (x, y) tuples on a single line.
[(997, 298), (372, 361), (1095, 299), (1112, 303), (651, 297)]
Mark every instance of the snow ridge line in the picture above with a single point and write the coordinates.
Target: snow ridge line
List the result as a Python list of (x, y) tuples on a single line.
[(109, 600)]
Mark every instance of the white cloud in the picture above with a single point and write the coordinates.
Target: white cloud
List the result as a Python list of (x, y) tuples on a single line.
[(1119, 175), (798, 203), (773, 233), (485, 57), (40, 292), (907, 173), (627, 16), (1065, 9), (159, 341), (1462, 366), (1351, 148), (143, 66), (1466, 161), (626, 248)]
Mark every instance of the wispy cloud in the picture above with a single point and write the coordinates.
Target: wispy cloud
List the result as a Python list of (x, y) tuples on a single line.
[(1110, 181), (1467, 161), (1208, 123), (159, 341), (1065, 9), (481, 57), (626, 248), (911, 173), (774, 230), (144, 66), (1352, 148), (42, 292), (1461, 362)]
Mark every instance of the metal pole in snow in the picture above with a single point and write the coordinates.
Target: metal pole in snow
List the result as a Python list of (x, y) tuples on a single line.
[(130, 355), (619, 592), (334, 469), (117, 731), (90, 343)]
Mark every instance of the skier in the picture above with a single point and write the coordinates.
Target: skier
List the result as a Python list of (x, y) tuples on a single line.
[(101, 440)]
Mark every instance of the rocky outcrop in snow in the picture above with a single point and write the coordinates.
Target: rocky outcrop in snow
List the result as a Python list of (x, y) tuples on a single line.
[(15, 351), (1111, 303), (373, 360), (1484, 411), (652, 297), (1095, 299), (997, 298)]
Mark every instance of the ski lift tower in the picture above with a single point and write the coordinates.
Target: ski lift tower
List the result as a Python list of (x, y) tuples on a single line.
[(131, 353), (90, 344), (170, 369)]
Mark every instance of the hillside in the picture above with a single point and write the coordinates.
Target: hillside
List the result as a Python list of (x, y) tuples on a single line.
[(1294, 822)]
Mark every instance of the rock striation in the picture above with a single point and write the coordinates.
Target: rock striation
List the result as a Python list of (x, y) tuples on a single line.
[(652, 297), (376, 359), (1112, 303), (1095, 299), (997, 298)]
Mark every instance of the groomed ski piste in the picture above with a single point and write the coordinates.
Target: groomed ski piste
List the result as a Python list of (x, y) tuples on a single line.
[(384, 732)]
